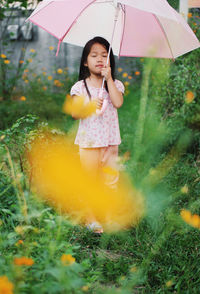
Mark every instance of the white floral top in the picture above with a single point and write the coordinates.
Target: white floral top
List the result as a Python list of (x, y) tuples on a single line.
[(98, 131)]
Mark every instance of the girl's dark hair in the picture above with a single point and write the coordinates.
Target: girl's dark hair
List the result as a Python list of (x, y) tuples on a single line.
[(84, 71)]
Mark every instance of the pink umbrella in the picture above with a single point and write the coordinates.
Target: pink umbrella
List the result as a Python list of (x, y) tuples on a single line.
[(141, 28)]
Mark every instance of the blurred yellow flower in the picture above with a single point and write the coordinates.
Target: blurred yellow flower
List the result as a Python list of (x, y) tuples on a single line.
[(26, 70), (50, 78), (133, 269), (184, 189), (19, 242), (137, 73), (44, 88), (21, 61), (57, 83), (120, 69), (44, 73), (85, 288), (51, 48), (189, 97), (26, 81), (130, 77), (23, 261), (6, 61), (126, 83), (34, 75), (59, 71), (2, 137), (22, 98), (192, 220), (189, 15), (30, 60), (67, 259), (19, 230), (6, 287), (79, 107), (169, 283), (125, 75), (3, 56), (32, 50)]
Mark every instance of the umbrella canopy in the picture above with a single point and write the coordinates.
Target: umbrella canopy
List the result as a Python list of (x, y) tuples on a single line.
[(143, 28)]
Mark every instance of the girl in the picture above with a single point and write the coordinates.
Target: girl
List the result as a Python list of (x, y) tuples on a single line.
[(98, 137)]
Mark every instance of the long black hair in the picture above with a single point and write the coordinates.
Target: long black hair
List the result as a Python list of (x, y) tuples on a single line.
[(84, 71)]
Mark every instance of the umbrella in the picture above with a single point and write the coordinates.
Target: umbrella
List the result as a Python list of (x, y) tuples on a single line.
[(140, 28)]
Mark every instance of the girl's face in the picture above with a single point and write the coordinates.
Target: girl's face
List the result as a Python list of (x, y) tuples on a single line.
[(97, 59)]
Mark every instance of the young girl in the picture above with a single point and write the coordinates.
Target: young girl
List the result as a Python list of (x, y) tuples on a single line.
[(98, 136)]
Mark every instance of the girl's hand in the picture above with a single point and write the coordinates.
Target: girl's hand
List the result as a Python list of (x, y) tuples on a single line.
[(106, 72), (99, 102)]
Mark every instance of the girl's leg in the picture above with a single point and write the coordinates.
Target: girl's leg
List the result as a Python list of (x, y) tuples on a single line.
[(89, 158), (109, 165)]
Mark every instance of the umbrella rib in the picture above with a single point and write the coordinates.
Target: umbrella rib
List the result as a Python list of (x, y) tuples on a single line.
[(164, 33), (124, 10)]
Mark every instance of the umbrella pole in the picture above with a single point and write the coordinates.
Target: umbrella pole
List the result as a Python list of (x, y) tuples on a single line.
[(111, 42)]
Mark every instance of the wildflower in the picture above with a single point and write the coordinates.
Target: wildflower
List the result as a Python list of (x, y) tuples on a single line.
[(126, 83), (85, 288), (169, 283), (21, 61), (22, 98), (59, 71), (44, 73), (44, 88), (19, 230), (6, 287), (34, 75), (26, 81), (7, 61), (19, 242), (23, 261), (189, 15), (120, 69), (51, 48), (3, 56), (133, 269), (189, 97), (137, 73), (67, 259), (184, 189), (130, 77), (192, 220), (57, 83), (2, 137), (32, 50), (79, 107), (194, 31), (30, 60), (26, 70), (125, 75), (50, 78), (35, 244)]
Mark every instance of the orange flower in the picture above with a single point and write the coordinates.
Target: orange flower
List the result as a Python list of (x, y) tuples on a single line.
[(23, 261), (59, 71), (57, 83), (192, 220), (44, 88), (19, 242), (3, 56), (50, 78), (6, 61), (32, 50), (30, 60), (21, 61), (130, 77), (186, 215), (189, 15), (137, 73), (189, 97), (51, 48), (22, 98), (26, 70), (125, 75), (67, 259), (6, 287), (120, 69)]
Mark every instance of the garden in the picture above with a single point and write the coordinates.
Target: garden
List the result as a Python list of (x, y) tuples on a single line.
[(41, 249)]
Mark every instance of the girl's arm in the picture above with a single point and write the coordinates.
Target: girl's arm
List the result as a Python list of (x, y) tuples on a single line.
[(115, 95)]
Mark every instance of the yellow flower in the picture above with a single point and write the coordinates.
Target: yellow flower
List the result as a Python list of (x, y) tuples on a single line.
[(6, 287), (186, 215), (19, 230), (169, 283), (79, 107), (6, 61), (30, 60), (189, 15), (51, 48), (23, 261), (189, 97), (3, 56), (67, 259), (44, 73), (137, 73), (19, 242), (59, 71), (26, 81), (50, 78), (184, 189), (21, 61), (2, 137), (34, 75), (22, 98), (57, 83), (192, 220), (195, 221), (32, 50), (85, 288), (125, 75), (44, 88), (126, 83), (133, 269), (26, 70), (120, 69)]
